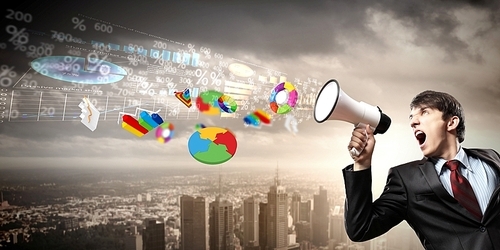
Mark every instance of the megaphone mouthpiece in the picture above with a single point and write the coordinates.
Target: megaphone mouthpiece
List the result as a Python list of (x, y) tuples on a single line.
[(333, 104)]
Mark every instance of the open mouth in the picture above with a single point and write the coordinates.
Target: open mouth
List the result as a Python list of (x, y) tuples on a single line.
[(420, 137)]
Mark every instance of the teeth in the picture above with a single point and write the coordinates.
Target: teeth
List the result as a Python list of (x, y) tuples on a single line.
[(418, 132)]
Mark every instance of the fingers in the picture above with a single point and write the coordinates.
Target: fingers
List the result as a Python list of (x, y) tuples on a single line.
[(358, 141)]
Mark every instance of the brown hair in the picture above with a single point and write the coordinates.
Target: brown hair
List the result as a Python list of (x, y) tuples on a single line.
[(445, 103)]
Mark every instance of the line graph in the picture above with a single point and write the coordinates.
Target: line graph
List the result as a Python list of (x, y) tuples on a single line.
[(38, 106)]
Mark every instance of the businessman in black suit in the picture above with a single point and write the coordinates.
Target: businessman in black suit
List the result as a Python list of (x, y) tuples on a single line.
[(449, 204)]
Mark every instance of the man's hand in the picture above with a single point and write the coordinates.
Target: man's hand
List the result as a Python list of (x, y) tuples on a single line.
[(363, 141)]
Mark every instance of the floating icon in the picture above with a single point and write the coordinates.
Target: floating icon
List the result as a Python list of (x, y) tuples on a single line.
[(283, 98), (90, 115), (291, 124), (199, 126), (257, 118), (165, 132), (142, 126), (184, 97)]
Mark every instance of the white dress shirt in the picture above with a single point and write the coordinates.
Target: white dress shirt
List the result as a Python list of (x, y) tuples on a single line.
[(480, 175)]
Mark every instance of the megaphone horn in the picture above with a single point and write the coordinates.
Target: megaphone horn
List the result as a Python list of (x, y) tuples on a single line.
[(333, 104)]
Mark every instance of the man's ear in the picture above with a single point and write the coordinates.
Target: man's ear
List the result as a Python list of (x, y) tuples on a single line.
[(453, 123)]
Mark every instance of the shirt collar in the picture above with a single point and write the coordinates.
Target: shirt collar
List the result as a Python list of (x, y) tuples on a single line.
[(461, 156)]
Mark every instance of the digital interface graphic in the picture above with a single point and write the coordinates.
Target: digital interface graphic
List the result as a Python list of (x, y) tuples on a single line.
[(120, 76)]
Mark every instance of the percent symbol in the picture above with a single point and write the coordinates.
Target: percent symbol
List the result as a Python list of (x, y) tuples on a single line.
[(94, 59), (214, 77), (97, 90), (202, 78), (17, 35), (39, 68), (147, 89), (191, 48), (79, 23), (6, 75), (70, 64)]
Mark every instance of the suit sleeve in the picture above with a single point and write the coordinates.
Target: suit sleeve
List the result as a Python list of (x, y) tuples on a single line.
[(364, 219)]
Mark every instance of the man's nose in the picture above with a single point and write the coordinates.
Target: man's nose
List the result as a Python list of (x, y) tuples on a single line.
[(414, 121)]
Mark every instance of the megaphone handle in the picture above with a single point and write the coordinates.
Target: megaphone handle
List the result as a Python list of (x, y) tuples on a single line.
[(354, 151)]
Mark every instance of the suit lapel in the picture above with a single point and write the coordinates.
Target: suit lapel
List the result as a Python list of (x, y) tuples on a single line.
[(432, 178), (491, 159)]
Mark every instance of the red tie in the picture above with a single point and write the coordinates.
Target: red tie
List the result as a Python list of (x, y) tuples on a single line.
[(462, 190)]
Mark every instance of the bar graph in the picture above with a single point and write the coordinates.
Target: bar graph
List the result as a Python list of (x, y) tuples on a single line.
[(191, 59)]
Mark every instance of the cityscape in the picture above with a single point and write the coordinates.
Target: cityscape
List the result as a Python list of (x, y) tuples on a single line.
[(185, 209)]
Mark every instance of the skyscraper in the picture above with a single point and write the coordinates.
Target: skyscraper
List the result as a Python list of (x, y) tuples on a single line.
[(250, 222), (153, 237), (305, 211), (277, 216), (221, 225), (295, 207), (320, 218), (263, 226), (194, 223)]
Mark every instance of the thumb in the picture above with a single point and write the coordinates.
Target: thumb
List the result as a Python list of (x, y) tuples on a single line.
[(369, 131)]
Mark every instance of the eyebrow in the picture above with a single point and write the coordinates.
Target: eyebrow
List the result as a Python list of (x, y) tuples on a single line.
[(420, 109)]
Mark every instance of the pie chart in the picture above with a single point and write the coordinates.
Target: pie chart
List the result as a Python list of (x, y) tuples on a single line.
[(212, 145)]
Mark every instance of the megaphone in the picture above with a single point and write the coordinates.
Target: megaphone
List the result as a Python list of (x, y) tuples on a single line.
[(333, 104)]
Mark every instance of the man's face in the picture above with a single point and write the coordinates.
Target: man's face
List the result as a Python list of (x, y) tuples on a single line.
[(429, 130)]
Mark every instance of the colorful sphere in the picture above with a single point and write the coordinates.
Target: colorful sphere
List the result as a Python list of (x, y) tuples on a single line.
[(165, 132), (283, 98)]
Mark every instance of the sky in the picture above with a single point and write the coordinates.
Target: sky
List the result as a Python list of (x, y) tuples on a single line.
[(381, 52)]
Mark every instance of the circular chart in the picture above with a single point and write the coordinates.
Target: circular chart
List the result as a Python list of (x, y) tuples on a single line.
[(164, 132), (78, 69), (283, 98), (227, 104), (212, 145), (207, 102)]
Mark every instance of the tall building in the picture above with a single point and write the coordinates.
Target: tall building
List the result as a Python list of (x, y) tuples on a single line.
[(148, 197), (295, 207), (153, 236), (305, 211), (139, 197), (194, 223), (221, 225), (250, 222), (320, 218), (263, 225), (133, 242), (277, 216)]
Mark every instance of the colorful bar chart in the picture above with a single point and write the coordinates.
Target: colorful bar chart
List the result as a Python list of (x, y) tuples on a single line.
[(142, 126)]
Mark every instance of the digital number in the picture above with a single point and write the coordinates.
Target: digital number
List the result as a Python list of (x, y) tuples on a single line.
[(101, 47), (160, 45), (78, 85), (103, 27), (19, 16), (124, 92), (61, 37), (133, 103), (14, 114), (94, 102), (48, 111), (25, 83), (218, 55)]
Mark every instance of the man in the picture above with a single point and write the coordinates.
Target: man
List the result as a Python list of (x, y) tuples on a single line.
[(449, 204)]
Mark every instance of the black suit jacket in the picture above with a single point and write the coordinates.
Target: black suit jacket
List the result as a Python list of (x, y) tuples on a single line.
[(414, 193)]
